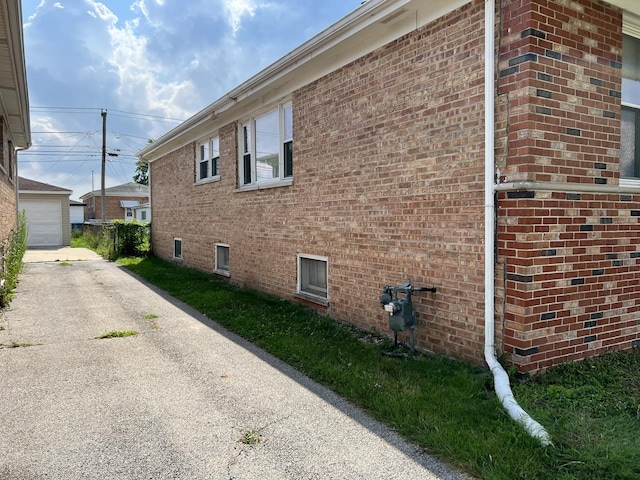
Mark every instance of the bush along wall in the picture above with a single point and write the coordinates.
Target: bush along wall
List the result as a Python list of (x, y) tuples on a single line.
[(11, 255)]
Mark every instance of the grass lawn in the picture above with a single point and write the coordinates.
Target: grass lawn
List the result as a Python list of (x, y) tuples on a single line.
[(590, 408)]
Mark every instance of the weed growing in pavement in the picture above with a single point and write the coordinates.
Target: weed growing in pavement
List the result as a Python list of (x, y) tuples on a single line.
[(150, 316), (118, 333), (250, 437), (447, 407)]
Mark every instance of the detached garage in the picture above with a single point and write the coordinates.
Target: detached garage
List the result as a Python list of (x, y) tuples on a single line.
[(47, 210)]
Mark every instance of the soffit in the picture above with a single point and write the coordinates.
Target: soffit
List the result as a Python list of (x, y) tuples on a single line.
[(14, 101)]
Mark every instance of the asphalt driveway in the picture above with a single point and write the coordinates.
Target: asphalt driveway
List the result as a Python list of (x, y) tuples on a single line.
[(183, 399)]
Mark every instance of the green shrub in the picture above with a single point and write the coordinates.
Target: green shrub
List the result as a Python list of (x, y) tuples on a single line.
[(131, 239), (11, 255), (119, 239)]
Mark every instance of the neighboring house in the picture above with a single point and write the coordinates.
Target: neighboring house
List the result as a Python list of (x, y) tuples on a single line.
[(381, 149), (76, 213), (142, 213), (119, 202), (14, 112), (47, 211)]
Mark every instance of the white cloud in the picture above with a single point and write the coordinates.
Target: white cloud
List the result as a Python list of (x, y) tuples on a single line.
[(143, 84), (236, 9), (164, 58)]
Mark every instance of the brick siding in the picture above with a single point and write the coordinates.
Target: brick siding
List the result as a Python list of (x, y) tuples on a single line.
[(569, 254), (389, 185), (113, 210), (8, 188)]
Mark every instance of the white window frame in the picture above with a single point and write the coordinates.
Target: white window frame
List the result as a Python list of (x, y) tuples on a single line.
[(631, 27), (302, 290), (205, 155), (283, 178), (176, 241), (218, 269)]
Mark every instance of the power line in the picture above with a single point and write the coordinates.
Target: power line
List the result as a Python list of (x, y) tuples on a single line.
[(91, 110), (148, 116)]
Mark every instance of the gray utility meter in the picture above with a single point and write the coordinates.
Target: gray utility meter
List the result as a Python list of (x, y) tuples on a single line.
[(400, 308)]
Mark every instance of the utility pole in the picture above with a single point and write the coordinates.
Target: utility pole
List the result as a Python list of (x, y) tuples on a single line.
[(103, 114)]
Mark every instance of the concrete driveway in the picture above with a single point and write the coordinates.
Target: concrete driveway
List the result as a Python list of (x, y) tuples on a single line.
[(183, 399)]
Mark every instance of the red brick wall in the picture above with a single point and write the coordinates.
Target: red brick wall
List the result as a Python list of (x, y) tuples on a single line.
[(569, 252), (388, 185)]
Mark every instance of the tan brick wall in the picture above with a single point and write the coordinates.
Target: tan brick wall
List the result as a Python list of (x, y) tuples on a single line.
[(8, 207), (8, 187), (388, 184)]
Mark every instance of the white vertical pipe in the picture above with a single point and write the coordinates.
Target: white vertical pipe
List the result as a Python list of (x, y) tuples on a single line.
[(500, 377)]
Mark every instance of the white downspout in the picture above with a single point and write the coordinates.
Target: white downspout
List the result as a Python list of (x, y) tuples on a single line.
[(500, 377)]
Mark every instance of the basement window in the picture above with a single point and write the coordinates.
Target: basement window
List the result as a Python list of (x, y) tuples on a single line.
[(222, 259), (177, 248), (313, 278)]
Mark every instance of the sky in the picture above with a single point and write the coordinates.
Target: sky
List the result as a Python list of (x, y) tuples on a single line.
[(149, 64)]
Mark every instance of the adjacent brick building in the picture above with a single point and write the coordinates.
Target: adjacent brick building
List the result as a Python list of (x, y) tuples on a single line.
[(358, 161), (14, 113), (120, 201)]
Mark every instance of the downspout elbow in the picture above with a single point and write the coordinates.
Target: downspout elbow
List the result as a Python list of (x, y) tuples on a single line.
[(508, 401)]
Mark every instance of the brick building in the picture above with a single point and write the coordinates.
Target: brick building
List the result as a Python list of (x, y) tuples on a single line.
[(404, 142), (15, 131), (119, 202)]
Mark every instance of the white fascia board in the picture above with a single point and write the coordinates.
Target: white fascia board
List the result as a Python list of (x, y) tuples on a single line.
[(367, 28)]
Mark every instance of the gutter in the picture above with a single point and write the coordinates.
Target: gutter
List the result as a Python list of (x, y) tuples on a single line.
[(500, 377)]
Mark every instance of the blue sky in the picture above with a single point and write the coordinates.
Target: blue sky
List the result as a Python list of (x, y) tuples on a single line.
[(149, 64)]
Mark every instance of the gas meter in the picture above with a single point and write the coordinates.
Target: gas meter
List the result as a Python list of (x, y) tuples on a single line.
[(397, 302)]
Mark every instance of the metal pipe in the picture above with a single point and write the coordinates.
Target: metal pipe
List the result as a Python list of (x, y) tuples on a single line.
[(500, 377)]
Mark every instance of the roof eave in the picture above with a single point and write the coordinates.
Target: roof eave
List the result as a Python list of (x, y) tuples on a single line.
[(14, 97), (45, 192)]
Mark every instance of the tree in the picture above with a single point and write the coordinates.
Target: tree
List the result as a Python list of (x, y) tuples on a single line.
[(142, 173)]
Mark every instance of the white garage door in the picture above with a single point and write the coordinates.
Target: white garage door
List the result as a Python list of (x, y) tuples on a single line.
[(44, 221)]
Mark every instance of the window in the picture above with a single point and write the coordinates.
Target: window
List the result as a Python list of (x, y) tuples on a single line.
[(630, 128), (177, 248), (143, 214), (266, 147), (312, 276), (222, 259), (208, 160)]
